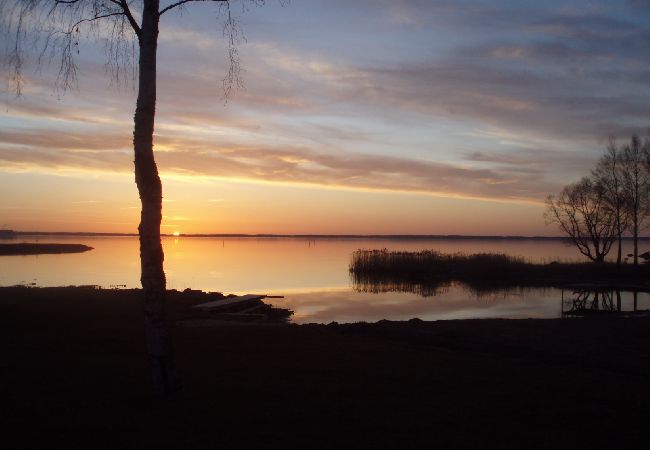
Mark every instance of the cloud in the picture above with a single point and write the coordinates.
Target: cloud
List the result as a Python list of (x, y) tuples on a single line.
[(193, 157), (478, 99)]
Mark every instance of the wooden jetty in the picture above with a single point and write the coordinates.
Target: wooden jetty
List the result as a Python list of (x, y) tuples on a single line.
[(598, 299), (249, 308)]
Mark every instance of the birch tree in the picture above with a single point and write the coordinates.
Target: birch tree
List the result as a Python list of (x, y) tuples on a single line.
[(609, 175), (636, 186), (56, 27)]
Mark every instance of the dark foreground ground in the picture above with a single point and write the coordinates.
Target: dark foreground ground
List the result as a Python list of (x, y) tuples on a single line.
[(73, 375)]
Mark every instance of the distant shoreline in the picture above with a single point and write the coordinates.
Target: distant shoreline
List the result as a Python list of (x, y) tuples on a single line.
[(12, 249), (310, 236)]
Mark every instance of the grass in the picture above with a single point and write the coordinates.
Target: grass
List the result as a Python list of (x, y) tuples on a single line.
[(425, 271)]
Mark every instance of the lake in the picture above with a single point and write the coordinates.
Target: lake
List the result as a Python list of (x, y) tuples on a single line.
[(312, 274)]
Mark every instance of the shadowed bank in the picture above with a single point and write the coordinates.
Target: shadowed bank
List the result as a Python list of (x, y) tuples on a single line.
[(74, 375)]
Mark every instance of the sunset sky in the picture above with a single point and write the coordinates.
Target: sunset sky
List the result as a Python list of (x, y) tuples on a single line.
[(369, 117)]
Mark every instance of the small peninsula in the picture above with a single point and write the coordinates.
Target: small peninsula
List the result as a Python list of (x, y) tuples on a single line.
[(25, 248)]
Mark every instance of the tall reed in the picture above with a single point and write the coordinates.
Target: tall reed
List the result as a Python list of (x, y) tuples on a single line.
[(428, 262)]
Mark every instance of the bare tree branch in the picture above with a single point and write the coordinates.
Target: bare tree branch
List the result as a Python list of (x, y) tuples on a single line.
[(581, 213), (182, 2), (55, 29), (127, 12)]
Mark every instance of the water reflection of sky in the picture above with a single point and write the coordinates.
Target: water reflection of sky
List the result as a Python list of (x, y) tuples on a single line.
[(457, 302), (345, 305), (312, 275)]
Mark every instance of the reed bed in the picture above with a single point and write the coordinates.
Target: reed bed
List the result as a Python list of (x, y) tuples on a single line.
[(381, 270), (429, 262)]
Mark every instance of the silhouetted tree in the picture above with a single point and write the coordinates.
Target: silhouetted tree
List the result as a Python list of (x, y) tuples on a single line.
[(132, 26), (609, 175), (636, 186), (582, 213)]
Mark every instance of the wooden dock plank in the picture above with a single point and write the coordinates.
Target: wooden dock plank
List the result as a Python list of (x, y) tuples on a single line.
[(239, 299)]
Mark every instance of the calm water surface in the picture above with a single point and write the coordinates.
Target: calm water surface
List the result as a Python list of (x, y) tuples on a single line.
[(311, 274)]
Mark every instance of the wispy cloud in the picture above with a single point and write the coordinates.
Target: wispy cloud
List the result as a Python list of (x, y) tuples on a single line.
[(295, 165)]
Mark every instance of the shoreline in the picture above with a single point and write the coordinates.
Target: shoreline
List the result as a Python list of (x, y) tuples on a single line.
[(74, 363)]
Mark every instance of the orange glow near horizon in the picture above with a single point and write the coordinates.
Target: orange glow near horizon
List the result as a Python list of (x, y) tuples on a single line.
[(110, 204)]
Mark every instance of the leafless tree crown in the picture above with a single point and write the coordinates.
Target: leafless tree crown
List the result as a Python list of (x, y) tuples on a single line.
[(582, 213), (50, 32)]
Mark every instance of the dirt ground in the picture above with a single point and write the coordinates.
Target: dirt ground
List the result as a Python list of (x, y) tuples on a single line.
[(73, 374)]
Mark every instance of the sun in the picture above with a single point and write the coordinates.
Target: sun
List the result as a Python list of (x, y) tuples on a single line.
[(176, 233)]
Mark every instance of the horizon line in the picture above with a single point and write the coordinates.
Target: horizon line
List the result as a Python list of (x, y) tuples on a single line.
[(283, 235), (404, 236)]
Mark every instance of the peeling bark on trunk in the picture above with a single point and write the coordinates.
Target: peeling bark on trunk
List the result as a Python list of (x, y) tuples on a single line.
[(157, 330)]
